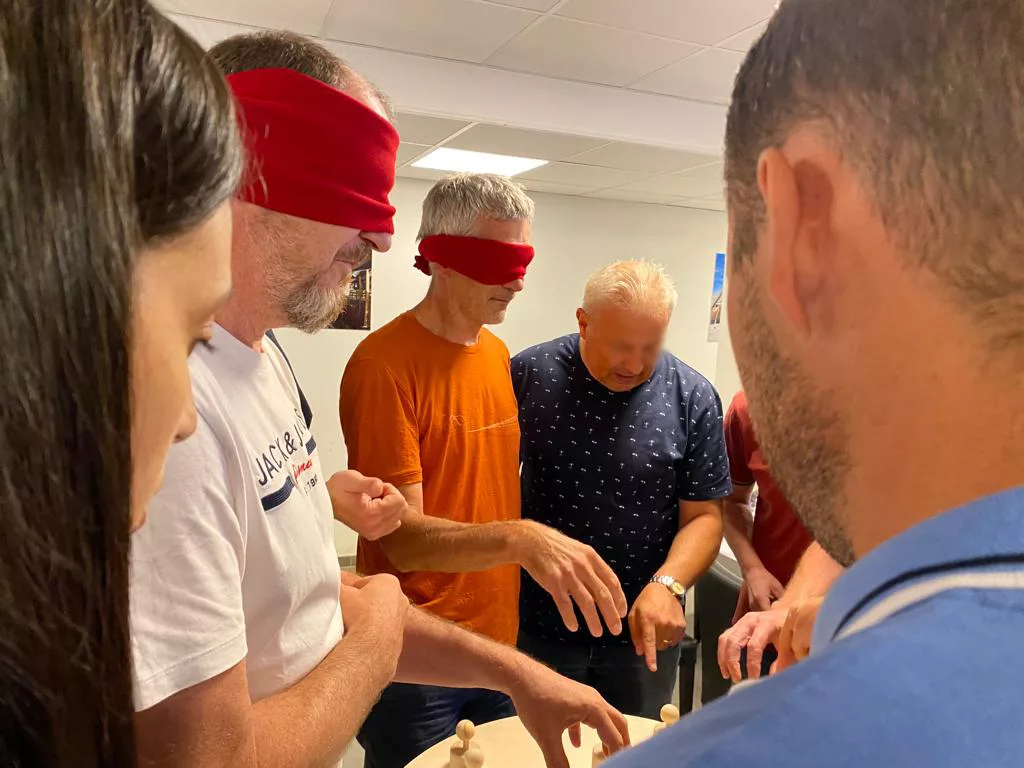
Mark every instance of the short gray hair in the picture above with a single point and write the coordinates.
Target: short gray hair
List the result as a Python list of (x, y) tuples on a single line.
[(280, 49), (639, 286), (455, 205)]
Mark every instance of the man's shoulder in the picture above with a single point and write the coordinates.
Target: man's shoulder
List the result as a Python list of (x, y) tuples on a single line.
[(562, 348), (388, 345), (397, 330), (803, 717), (688, 378), (911, 685), (493, 343)]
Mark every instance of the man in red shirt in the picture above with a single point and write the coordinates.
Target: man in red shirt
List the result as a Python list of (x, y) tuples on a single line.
[(769, 549), (772, 550)]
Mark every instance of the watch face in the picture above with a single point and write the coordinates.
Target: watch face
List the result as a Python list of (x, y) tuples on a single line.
[(677, 589)]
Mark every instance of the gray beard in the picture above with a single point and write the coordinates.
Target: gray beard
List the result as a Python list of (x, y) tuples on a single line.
[(311, 307)]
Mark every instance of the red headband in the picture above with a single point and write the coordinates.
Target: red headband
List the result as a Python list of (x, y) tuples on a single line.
[(491, 262), (315, 152)]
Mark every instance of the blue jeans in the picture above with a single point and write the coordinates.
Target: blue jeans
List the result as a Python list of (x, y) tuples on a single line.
[(615, 671), (409, 719)]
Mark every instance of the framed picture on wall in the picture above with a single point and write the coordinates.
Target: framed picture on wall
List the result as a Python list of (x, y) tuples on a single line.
[(356, 315), (717, 296)]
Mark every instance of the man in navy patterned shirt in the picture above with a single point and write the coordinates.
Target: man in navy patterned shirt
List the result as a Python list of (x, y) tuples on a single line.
[(622, 449)]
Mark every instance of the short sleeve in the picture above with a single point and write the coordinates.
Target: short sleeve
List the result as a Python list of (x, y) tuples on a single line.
[(736, 445), (187, 621), (520, 381), (379, 424), (704, 473)]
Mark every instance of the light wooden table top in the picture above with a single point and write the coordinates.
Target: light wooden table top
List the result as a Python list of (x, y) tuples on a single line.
[(506, 744)]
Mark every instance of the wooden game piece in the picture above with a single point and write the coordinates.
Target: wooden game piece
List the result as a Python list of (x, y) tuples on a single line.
[(465, 730), (599, 756), (670, 714), (459, 753)]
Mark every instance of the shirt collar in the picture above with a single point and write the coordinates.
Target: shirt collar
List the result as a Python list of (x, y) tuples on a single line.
[(987, 528)]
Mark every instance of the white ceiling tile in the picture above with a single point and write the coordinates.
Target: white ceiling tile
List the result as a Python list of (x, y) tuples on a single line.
[(408, 172), (208, 32), (745, 40), (590, 176), (711, 172), (697, 21), (504, 140), (409, 152), (304, 16), (633, 197), (421, 129), (703, 182), (451, 29), (704, 205), (640, 157), (551, 187), (533, 5), (569, 49), (705, 76)]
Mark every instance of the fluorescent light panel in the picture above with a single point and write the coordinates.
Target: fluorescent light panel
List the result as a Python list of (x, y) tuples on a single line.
[(465, 161)]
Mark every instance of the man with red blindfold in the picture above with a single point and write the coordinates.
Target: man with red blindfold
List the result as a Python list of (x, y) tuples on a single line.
[(244, 655), (427, 405)]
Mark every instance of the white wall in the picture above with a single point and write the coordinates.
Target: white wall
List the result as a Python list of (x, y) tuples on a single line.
[(573, 236)]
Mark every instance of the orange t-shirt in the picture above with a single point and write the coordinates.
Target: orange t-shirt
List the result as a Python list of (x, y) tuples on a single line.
[(416, 408)]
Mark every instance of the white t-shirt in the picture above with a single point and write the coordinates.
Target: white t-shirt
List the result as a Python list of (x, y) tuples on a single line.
[(236, 560)]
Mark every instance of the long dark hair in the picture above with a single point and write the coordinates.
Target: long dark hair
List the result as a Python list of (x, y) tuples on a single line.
[(115, 130)]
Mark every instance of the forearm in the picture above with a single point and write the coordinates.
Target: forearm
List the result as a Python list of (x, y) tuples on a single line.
[(437, 652), (694, 548), (813, 576), (326, 707), (426, 543), (736, 524)]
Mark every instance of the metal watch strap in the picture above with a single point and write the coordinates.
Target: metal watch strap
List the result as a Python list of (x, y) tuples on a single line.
[(668, 582)]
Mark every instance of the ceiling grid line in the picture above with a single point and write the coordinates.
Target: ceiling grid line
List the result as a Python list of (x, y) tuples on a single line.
[(542, 16)]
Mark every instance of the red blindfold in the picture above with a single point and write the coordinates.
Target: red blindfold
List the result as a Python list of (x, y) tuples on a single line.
[(315, 152), (491, 262)]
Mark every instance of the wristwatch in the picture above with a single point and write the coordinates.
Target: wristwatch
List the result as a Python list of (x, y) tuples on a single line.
[(673, 585)]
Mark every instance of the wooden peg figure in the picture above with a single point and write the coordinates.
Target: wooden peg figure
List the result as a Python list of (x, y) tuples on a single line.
[(465, 730), (457, 757), (669, 716)]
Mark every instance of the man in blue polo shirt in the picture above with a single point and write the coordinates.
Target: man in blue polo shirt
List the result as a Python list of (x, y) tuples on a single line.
[(622, 449), (873, 161)]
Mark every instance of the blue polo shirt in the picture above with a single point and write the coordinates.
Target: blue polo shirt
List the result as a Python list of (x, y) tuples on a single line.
[(610, 468), (916, 662)]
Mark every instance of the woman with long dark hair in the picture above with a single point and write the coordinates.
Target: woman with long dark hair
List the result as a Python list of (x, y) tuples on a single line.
[(118, 156)]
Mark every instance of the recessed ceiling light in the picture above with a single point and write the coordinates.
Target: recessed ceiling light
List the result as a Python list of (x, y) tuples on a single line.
[(464, 161)]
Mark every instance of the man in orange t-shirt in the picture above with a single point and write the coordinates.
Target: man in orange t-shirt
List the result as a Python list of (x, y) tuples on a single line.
[(427, 405)]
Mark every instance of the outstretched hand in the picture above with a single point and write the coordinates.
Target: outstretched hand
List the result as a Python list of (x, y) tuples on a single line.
[(573, 572), (657, 621), (755, 631), (548, 704)]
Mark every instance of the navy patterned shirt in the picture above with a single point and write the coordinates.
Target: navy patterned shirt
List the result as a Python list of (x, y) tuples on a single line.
[(610, 468)]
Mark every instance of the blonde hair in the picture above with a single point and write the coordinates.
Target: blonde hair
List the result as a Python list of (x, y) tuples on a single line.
[(639, 286), (456, 203)]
